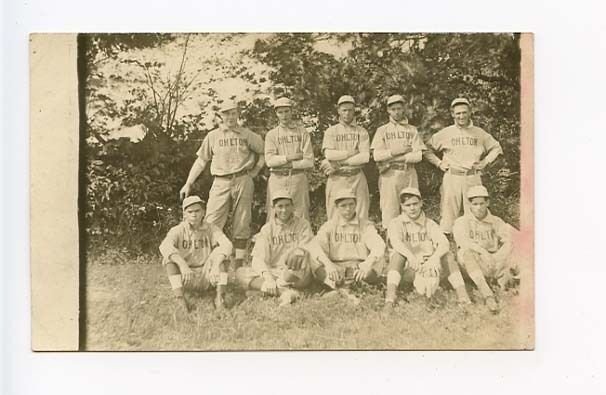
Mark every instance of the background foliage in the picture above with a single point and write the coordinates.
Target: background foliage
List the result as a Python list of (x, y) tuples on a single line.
[(167, 86)]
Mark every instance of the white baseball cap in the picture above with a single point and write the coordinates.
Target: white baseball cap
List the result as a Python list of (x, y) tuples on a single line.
[(477, 191), (459, 100), (346, 99), (410, 191), (344, 194), (280, 194), (228, 105), (188, 201), (283, 102), (395, 99)]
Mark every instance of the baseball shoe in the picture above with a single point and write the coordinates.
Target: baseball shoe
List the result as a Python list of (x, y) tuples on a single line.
[(463, 297), (492, 305), (389, 306), (181, 310), (289, 296)]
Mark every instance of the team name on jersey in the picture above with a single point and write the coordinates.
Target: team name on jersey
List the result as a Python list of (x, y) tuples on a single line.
[(399, 135), (232, 142), (342, 237), (196, 244), (463, 140), (284, 238), (295, 138), (483, 235), (347, 137), (416, 237)]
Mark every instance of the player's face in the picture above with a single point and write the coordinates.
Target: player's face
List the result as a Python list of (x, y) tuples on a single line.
[(347, 208), (412, 207), (194, 214), (396, 111), (284, 209), (479, 207), (230, 117), (284, 114), (347, 112), (461, 114)]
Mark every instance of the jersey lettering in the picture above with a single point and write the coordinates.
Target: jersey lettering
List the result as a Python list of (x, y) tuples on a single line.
[(347, 137), (340, 237), (284, 238), (463, 140), (232, 142)]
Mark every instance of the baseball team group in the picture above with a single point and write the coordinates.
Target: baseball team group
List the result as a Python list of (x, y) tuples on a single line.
[(287, 257)]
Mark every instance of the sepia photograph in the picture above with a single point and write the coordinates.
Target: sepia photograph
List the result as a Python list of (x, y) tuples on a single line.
[(304, 191)]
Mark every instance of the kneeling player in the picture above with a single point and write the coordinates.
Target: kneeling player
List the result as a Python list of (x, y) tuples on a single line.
[(280, 262), (194, 253), (484, 245), (347, 248), (420, 250)]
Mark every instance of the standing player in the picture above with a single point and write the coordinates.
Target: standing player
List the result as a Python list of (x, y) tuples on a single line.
[(420, 250), (467, 150), (193, 253), (485, 245), (280, 262), (347, 149), (347, 248), (396, 147), (288, 153), (237, 157)]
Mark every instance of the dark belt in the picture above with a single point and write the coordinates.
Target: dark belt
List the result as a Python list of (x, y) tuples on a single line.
[(400, 166), (233, 175), (457, 172), (346, 173), (286, 172)]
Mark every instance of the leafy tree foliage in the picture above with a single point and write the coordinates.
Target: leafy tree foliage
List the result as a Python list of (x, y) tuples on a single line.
[(133, 186)]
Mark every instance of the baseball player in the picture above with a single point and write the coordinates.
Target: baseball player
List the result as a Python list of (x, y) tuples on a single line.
[(467, 150), (484, 245), (280, 261), (347, 248), (237, 157), (193, 253), (419, 251), (396, 147), (288, 153), (346, 147)]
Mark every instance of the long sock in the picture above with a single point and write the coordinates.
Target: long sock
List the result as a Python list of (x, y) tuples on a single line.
[(176, 283), (456, 280), (393, 282), (478, 278)]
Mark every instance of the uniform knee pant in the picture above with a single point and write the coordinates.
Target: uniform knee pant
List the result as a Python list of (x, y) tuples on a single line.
[(297, 186), (453, 197), (231, 194), (356, 183)]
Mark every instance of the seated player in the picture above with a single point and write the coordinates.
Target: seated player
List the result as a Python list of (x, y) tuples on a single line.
[(484, 245), (420, 251), (193, 253), (280, 262), (347, 248)]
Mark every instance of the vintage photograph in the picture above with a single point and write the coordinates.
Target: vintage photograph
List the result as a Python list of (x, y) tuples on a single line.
[(303, 191)]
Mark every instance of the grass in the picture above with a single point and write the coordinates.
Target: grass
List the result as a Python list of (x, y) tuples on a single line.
[(130, 307)]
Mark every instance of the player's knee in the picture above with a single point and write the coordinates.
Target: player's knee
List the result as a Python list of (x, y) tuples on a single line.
[(172, 269), (396, 262)]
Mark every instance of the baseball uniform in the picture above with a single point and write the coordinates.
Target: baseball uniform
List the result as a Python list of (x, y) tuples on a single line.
[(280, 142), (491, 234), (202, 247), (461, 148), (274, 244), (233, 153), (347, 244), (354, 140), (397, 172)]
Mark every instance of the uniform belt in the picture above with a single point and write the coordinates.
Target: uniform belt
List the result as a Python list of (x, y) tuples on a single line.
[(286, 172), (458, 172), (232, 175), (400, 166), (346, 173)]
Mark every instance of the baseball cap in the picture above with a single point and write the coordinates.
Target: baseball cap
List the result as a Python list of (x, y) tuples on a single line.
[(344, 194), (460, 100), (228, 105), (280, 194), (188, 201), (410, 191), (395, 99), (477, 191), (283, 102), (346, 99)]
